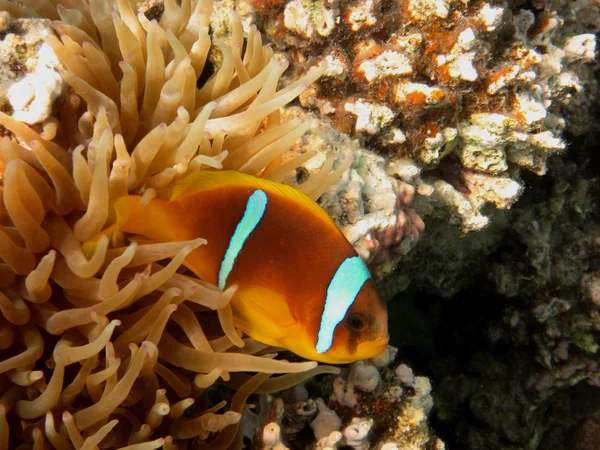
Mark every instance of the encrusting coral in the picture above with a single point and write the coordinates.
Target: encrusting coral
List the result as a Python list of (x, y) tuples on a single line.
[(118, 349)]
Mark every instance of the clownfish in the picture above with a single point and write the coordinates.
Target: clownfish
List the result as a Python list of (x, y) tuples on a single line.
[(301, 285)]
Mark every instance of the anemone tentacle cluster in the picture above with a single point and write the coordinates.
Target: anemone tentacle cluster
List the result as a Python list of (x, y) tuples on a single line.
[(116, 346)]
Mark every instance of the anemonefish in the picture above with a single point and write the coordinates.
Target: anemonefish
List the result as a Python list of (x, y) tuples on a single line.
[(301, 285)]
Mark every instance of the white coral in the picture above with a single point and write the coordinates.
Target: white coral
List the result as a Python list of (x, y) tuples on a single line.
[(326, 422), (272, 437), (356, 434), (343, 392), (365, 376), (32, 97)]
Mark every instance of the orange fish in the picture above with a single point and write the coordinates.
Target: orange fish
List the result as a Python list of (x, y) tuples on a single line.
[(301, 285)]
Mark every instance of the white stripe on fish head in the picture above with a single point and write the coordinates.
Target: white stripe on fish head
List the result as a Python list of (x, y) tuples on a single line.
[(341, 293)]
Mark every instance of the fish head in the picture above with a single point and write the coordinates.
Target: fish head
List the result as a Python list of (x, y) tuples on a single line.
[(363, 332)]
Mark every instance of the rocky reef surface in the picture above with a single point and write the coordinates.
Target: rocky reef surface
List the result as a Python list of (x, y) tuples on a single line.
[(473, 192)]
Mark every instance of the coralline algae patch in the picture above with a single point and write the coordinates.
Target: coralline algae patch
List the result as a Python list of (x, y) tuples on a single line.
[(441, 81)]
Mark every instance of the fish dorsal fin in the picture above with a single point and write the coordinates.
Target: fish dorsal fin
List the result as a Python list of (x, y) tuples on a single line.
[(205, 180)]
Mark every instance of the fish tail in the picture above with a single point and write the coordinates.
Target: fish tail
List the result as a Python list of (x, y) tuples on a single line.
[(89, 247), (157, 220), (125, 207)]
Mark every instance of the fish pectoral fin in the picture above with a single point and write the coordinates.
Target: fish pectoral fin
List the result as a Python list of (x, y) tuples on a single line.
[(263, 315)]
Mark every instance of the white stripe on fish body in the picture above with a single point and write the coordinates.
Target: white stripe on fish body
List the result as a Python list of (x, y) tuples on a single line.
[(341, 293), (255, 209)]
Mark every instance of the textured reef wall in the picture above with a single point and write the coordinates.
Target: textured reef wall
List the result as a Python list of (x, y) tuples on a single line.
[(472, 92)]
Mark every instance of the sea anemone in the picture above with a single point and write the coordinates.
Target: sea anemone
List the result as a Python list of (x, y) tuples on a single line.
[(118, 347)]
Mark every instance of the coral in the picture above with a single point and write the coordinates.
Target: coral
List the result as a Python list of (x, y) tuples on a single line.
[(32, 97), (326, 422), (308, 18), (445, 261), (386, 412), (356, 434), (117, 346), (271, 437), (29, 81), (474, 94)]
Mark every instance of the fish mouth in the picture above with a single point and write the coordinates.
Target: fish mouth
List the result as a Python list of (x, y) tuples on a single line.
[(382, 342), (375, 347)]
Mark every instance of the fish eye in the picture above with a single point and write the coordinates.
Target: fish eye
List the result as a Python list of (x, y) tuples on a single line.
[(355, 322)]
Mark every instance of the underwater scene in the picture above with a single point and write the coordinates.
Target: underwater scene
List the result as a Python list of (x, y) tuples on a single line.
[(299, 224)]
